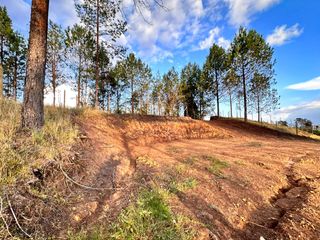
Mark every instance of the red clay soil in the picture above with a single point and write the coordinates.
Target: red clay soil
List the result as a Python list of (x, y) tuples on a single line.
[(268, 189)]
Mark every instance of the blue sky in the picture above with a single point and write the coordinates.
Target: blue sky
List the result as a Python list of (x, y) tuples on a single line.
[(187, 28)]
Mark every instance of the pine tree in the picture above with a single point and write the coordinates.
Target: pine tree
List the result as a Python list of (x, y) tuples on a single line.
[(103, 18), (15, 65), (216, 68), (32, 110), (6, 33), (250, 54), (190, 78), (80, 46), (55, 57)]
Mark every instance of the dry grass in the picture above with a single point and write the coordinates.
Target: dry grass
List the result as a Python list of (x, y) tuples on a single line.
[(21, 151)]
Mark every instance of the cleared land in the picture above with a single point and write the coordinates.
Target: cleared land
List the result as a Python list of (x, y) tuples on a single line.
[(223, 179), (232, 179)]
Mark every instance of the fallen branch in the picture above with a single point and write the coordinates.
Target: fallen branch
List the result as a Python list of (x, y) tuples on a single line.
[(3, 219), (16, 219), (84, 186)]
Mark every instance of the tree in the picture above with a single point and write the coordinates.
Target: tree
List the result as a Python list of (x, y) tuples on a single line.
[(216, 68), (15, 65), (250, 54), (55, 57), (103, 18), (264, 96), (170, 82), (80, 46), (5, 34), (231, 81), (32, 110), (190, 78)]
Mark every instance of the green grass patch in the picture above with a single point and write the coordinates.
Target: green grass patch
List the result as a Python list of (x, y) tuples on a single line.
[(150, 217), (216, 166), (176, 186)]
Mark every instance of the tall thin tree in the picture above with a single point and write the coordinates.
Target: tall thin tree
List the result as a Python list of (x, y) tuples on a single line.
[(32, 110)]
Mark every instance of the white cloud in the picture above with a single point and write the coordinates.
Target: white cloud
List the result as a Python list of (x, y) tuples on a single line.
[(283, 34), (241, 11), (214, 37), (71, 96), (310, 110), (63, 12), (313, 84), (157, 33)]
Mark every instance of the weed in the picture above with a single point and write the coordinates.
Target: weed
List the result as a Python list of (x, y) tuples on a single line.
[(216, 166), (150, 217), (146, 160), (190, 160), (189, 183)]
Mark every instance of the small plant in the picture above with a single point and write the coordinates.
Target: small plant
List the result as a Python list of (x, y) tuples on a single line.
[(189, 183), (217, 166), (146, 160), (190, 160)]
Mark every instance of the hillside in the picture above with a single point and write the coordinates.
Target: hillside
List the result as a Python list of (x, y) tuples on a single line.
[(144, 177)]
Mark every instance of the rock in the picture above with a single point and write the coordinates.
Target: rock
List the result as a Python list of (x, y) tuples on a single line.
[(295, 192)]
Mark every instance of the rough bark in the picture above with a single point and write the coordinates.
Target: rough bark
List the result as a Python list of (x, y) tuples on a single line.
[(54, 82), (244, 95), (230, 99), (132, 101), (217, 95), (97, 58), (1, 81), (15, 79), (79, 81), (33, 110)]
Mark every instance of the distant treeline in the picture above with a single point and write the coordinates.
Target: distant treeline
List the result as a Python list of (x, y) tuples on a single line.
[(105, 76)]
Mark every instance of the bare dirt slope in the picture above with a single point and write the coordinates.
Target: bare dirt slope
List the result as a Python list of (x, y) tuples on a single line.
[(236, 180)]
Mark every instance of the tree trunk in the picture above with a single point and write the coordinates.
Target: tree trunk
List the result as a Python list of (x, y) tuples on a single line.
[(259, 109), (1, 81), (244, 96), (15, 77), (32, 110), (97, 58), (79, 81), (54, 85), (109, 101), (230, 99), (1, 68), (132, 101), (217, 96)]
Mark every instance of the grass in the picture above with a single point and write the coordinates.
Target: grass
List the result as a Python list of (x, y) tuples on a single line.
[(190, 160), (216, 165), (150, 217), (21, 151), (146, 160), (176, 186)]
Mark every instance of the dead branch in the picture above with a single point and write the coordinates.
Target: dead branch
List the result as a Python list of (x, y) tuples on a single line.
[(84, 186), (16, 219), (2, 217)]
